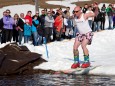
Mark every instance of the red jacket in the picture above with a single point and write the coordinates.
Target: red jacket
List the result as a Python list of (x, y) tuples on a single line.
[(58, 23), (29, 18)]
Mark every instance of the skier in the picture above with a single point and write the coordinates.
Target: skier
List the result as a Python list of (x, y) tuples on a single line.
[(83, 37)]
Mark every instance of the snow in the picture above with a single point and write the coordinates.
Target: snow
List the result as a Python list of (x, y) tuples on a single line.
[(102, 53), (102, 50)]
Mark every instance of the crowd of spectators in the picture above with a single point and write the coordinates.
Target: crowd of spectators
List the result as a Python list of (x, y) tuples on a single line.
[(53, 25)]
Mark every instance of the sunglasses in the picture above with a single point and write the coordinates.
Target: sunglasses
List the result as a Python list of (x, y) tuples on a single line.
[(75, 11)]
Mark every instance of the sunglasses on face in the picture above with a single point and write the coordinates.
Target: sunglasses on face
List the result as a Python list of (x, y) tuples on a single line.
[(75, 11)]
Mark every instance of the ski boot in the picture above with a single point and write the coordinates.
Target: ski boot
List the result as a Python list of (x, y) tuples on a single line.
[(75, 65), (85, 65), (86, 62)]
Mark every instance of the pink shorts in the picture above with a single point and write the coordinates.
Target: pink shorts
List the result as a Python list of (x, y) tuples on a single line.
[(88, 36)]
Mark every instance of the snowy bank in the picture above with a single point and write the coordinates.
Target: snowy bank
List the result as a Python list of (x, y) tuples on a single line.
[(102, 50)]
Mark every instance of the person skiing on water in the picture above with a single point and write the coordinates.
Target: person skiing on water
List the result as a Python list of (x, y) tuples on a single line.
[(83, 37)]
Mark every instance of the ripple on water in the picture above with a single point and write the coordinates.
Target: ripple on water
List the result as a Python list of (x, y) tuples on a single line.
[(57, 80)]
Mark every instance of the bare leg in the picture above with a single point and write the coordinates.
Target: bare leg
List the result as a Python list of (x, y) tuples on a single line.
[(84, 46), (76, 54), (75, 50), (86, 53)]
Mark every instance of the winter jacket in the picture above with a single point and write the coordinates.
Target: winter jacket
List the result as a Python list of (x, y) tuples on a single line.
[(8, 22), (49, 20), (58, 23), (34, 25), (42, 20), (29, 18), (109, 11), (27, 30), (84, 10), (20, 23)]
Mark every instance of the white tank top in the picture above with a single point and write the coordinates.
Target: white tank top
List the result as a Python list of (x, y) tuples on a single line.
[(83, 25)]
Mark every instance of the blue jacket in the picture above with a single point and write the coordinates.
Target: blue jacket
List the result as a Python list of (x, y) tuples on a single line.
[(27, 30), (34, 25)]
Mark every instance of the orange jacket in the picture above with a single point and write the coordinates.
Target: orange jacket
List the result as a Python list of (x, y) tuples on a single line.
[(58, 23)]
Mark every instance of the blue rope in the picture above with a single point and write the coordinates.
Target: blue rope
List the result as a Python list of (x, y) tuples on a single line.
[(44, 41)]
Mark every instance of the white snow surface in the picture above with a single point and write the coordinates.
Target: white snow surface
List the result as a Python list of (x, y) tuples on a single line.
[(101, 51)]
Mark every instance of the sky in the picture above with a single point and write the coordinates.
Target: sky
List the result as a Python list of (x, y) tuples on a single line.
[(101, 52)]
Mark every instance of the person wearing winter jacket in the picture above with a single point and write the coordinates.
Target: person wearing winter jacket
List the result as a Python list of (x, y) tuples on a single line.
[(1, 27), (110, 16), (20, 26), (90, 19), (103, 14), (8, 22), (28, 16), (49, 21), (58, 24), (27, 31), (15, 28), (36, 37), (69, 26)]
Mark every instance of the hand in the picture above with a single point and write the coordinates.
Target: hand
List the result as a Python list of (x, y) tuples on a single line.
[(21, 29)]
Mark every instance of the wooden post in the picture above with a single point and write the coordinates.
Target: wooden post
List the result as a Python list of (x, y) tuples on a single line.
[(36, 6)]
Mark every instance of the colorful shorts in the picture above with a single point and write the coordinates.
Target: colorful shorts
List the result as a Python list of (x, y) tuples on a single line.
[(88, 36)]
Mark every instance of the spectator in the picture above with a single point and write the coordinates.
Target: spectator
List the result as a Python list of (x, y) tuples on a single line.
[(1, 27), (69, 26), (15, 28), (49, 20), (28, 17), (42, 19), (20, 26), (36, 37), (85, 8), (110, 15), (58, 24), (97, 18), (103, 14), (90, 19), (27, 31), (8, 22)]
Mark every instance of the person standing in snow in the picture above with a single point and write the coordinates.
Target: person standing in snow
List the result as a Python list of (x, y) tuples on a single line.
[(49, 21), (28, 17), (27, 31), (83, 37), (8, 23), (36, 37), (90, 19), (110, 15)]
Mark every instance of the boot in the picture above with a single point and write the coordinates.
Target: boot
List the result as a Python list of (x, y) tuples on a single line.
[(86, 62), (76, 63), (85, 65)]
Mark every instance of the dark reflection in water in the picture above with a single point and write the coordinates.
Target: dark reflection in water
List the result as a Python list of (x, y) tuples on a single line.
[(57, 80)]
